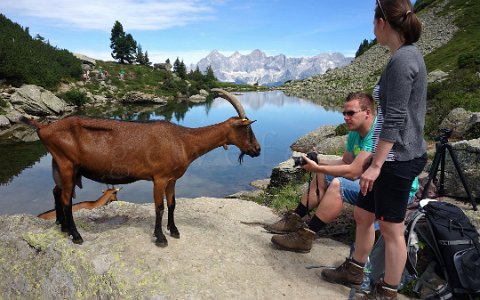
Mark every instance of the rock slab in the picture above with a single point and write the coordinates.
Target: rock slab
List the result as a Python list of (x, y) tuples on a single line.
[(222, 254)]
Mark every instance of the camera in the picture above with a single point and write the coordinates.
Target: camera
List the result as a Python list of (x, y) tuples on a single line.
[(445, 133), (300, 161)]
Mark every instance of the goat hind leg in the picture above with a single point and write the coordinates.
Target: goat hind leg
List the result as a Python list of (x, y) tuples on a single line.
[(158, 193), (60, 214), (171, 203)]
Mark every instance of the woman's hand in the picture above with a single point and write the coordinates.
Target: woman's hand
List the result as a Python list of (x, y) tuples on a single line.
[(368, 179)]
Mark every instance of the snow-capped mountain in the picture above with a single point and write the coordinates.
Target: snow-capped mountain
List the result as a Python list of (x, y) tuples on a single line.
[(268, 70)]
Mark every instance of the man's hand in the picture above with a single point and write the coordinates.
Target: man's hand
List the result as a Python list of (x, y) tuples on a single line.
[(310, 165)]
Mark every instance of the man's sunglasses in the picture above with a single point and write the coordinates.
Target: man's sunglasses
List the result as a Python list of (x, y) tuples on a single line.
[(350, 113)]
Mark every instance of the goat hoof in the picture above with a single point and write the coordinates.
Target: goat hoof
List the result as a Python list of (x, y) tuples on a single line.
[(78, 241), (174, 233), (161, 243)]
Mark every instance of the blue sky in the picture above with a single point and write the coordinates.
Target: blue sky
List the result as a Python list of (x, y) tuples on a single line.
[(190, 29)]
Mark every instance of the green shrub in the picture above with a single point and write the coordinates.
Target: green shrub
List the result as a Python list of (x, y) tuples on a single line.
[(75, 97), (3, 103), (473, 132), (341, 130), (468, 60)]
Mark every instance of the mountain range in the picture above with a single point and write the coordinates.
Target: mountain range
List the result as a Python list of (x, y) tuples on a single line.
[(257, 67)]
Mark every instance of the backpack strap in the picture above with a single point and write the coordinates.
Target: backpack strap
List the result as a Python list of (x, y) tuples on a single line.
[(410, 236)]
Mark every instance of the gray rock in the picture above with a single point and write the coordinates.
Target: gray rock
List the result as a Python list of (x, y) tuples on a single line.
[(457, 120), (4, 122), (334, 144), (222, 254), (37, 101), (436, 76), (313, 138), (143, 98), (197, 98), (85, 59), (468, 154), (286, 173)]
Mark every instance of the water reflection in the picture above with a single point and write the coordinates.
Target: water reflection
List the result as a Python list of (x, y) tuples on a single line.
[(281, 120)]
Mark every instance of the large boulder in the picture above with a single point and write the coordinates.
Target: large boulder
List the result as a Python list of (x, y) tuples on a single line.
[(4, 122), (286, 173), (143, 98), (468, 155), (457, 121), (37, 101), (313, 138), (222, 254)]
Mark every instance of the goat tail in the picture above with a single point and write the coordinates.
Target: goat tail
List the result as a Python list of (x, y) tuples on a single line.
[(31, 121)]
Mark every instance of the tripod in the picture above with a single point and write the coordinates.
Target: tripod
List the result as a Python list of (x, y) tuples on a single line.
[(440, 153)]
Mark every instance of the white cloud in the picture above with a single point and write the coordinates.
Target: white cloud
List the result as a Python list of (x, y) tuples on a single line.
[(101, 14)]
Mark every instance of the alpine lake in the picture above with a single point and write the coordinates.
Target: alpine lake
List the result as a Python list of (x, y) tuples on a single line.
[(26, 182)]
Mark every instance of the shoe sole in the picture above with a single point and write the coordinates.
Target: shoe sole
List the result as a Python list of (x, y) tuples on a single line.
[(345, 283), (279, 231), (280, 247)]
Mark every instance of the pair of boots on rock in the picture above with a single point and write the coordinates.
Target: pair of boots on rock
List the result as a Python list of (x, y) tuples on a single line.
[(293, 233), (351, 273)]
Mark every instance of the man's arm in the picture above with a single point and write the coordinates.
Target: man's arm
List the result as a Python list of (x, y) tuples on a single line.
[(351, 168)]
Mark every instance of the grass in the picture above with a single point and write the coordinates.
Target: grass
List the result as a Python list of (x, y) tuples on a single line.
[(286, 197), (465, 40)]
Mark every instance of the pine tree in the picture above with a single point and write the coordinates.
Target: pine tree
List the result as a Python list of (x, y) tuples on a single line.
[(123, 45), (210, 74), (140, 57), (147, 60)]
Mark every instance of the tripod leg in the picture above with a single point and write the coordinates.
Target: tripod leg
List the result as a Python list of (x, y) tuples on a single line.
[(433, 169), (462, 177), (441, 190)]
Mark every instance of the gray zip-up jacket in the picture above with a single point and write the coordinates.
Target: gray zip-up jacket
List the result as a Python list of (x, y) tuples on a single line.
[(403, 99)]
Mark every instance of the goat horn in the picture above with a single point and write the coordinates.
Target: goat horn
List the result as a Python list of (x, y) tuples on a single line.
[(232, 99)]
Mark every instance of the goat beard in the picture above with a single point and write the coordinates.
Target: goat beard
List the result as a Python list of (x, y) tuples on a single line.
[(240, 157)]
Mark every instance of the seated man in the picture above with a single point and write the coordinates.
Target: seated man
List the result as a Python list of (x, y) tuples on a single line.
[(336, 180)]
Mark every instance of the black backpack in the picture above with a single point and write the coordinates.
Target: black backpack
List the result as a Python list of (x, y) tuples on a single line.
[(456, 246), (454, 242)]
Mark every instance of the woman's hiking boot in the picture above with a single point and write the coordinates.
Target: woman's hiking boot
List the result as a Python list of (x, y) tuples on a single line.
[(290, 222), (348, 273), (379, 292), (298, 241)]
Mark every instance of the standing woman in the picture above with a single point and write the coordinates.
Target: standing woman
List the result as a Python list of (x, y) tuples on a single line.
[(399, 152)]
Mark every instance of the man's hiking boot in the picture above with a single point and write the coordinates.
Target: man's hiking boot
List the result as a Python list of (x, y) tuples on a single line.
[(298, 241), (290, 222), (348, 273), (379, 292)]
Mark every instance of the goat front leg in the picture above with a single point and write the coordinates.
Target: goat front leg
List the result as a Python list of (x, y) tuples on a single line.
[(158, 193), (171, 203)]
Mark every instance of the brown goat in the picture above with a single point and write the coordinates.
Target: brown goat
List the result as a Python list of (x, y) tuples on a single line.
[(108, 196), (120, 152)]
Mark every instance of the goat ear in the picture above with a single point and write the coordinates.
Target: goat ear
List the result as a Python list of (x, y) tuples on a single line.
[(246, 122)]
